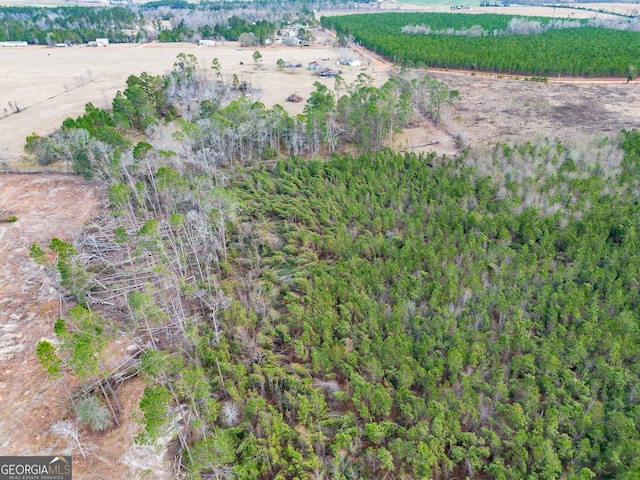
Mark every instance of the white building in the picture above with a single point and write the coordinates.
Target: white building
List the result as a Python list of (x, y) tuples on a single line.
[(13, 44), (352, 62)]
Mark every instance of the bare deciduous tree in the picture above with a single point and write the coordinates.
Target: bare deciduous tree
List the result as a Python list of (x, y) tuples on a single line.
[(70, 431)]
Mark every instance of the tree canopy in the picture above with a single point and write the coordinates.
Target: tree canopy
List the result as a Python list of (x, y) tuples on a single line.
[(484, 42)]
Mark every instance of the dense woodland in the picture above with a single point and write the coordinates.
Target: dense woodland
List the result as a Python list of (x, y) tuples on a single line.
[(584, 51), (306, 313), (64, 24), (165, 21)]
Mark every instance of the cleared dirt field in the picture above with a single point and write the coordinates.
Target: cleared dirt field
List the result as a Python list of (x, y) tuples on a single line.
[(52, 206), (494, 109)]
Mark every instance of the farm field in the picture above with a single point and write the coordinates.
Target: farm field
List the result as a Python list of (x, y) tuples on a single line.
[(492, 108), (466, 3), (577, 11)]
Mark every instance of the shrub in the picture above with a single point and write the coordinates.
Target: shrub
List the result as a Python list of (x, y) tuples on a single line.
[(7, 217), (93, 413)]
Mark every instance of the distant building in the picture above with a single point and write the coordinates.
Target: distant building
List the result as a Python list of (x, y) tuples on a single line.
[(349, 61), (13, 44), (99, 42), (291, 41), (313, 66), (208, 43)]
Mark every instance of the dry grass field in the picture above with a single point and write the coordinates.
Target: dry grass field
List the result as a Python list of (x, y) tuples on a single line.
[(578, 10)]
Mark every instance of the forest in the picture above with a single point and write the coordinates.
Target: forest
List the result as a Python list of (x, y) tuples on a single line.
[(64, 24), (305, 312), (164, 21), (590, 50)]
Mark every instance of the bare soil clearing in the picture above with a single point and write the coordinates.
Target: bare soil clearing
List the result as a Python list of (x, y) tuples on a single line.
[(51, 206), (493, 109), (46, 206)]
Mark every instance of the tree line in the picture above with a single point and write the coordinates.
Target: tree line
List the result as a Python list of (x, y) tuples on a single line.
[(165, 21), (65, 24), (219, 124)]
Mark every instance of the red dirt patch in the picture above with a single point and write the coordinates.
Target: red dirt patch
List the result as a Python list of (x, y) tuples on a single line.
[(49, 206)]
